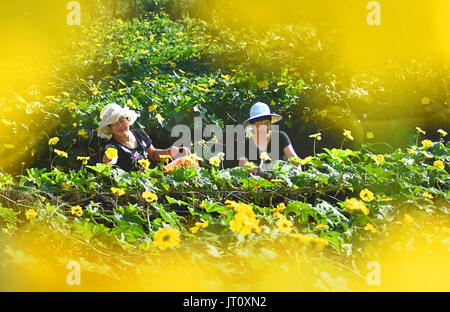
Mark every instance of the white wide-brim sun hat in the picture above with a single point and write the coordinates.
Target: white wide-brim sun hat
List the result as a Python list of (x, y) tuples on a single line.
[(111, 114), (259, 110)]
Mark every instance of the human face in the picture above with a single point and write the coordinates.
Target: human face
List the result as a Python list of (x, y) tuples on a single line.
[(262, 129), (121, 127)]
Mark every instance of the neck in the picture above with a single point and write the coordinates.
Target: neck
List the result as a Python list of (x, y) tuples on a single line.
[(123, 137)]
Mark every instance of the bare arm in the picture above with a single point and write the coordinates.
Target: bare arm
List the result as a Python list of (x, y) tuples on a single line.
[(155, 153)]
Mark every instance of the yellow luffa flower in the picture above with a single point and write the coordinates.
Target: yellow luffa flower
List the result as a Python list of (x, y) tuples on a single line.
[(30, 213), (322, 226), (149, 196), (117, 191), (419, 130), (77, 210), (353, 204), (83, 133), (215, 161), (348, 134), (53, 141), (144, 163), (83, 159), (426, 154), (379, 159), (317, 136), (366, 195), (427, 195), (284, 225), (152, 107), (111, 153), (370, 227), (439, 164), (426, 144), (442, 132), (245, 220), (166, 238), (61, 153), (198, 226)]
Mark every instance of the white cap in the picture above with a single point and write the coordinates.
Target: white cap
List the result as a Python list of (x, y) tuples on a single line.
[(111, 114)]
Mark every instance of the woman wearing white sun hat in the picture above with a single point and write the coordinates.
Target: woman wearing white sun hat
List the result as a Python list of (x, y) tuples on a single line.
[(132, 145), (259, 124)]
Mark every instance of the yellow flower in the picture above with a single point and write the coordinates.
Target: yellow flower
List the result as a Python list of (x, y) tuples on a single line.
[(72, 105), (442, 132), (212, 82), (426, 144), (379, 159), (144, 163), (427, 195), (122, 83), (419, 130), (53, 141), (203, 205), (322, 227), (370, 227), (117, 191), (30, 213), (111, 153), (122, 91), (152, 37), (348, 134), (83, 159), (149, 196), (276, 181), (83, 133), (280, 207), (215, 161), (354, 204), (226, 77), (159, 117), (166, 238), (263, 84), (284, 225), (366, 195), (198, 226), (317, 136), (61, 153), (77, 210), (137, 82), (439, 164), (152, 107), (245, 220), (95, 91)]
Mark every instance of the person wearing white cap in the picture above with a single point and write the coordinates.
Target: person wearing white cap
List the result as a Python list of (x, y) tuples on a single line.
[(259, 124), (132, 145)]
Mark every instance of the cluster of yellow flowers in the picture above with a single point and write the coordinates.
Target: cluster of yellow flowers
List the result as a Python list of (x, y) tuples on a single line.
[(319, 242), (77, 210), (282, 223), (379, 159), (245, 220), (198, 226), (370, 227), (166, 238), (353, 204), (30, 213)]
